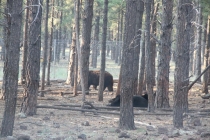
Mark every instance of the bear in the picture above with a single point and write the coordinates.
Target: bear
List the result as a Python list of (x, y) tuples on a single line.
[(138, 101), (93, 79)]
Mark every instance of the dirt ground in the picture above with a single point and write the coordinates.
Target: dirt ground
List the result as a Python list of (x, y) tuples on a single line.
[(62, 122)]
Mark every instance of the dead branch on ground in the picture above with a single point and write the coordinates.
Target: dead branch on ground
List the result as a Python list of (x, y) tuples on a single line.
[(190, 86)]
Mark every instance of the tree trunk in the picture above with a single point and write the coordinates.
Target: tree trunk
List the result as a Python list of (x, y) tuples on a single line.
[(181, 75), (85, 43), (204, 42), (139, 14), (80, 59), (103, 52), (3, 54), (75, 73), (199, 35), (141, 79), (118, 39), (149, 63), (70, 76), (45, 48), (162, 99), (96, 42), (153, 30), (121, 37), (57, 48), (11, 67), (51, 44), (77, 25), (206, 75), (193, 42), (109, 39), (61, 41), (64, 44), (127, 83), (113, 50), (33, 59), (6, 38), (25, 47), (119, 82)]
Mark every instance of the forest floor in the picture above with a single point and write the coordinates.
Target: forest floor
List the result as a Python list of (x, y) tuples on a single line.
[(58, 116), (62, 121)]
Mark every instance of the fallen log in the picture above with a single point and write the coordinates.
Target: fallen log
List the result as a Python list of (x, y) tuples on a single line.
[(101, 107), (96, 111)]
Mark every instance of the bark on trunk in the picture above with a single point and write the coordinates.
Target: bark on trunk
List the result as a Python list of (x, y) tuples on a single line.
[(61, 41), (117, 40), (139, 14), (207, 50), (121, 37), (70, 74), (51, 44), (153, 41), (119, 82), (57, 48), (127, 84), (193, 44), (25, 47), (77, 19), (79, 49), (162, 99), (103, 52), (11, 67), (96, 41), (141, 79), (33, 59), (181, 75), (149, 73), (85, 44), (64, 44), (45, 48), (204, 41), (199, 36)]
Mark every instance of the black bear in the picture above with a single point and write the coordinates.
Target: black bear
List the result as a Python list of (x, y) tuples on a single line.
[(138, 101), (93, 79)]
